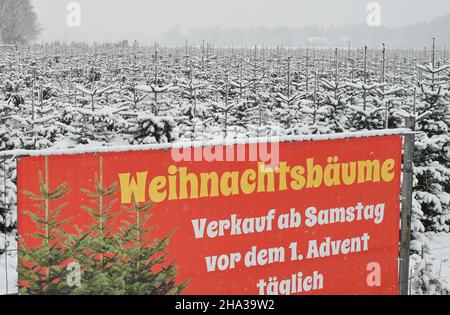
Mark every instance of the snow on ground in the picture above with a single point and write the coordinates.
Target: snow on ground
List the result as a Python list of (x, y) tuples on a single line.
[(8, 276), (430, 270), (439, 248)]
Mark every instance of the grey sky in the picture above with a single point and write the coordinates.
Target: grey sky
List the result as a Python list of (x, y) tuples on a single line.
[(111, 20)]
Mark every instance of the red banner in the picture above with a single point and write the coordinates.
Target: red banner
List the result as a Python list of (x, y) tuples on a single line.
[(323, 220)]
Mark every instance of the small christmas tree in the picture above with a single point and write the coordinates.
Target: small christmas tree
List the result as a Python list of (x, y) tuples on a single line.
[(431, 162)]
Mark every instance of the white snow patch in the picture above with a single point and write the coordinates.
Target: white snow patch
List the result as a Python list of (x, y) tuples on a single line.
[(217, 142), (8, 273)]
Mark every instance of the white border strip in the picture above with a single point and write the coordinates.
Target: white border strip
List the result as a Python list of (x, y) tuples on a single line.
[(131, 148)]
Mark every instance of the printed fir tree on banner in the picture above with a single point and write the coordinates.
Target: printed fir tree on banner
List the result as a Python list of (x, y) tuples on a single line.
[(42, 268), (96, 248), (141, 256), (111, 259)]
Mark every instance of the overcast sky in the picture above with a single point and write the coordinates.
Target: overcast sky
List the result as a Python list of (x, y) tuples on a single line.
[(112, 20)]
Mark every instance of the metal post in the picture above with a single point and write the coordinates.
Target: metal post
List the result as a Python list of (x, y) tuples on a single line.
[(405, 234), (5, 240)]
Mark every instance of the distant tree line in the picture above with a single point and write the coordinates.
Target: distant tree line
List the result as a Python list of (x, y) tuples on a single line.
[(18, 22), (412, 36)]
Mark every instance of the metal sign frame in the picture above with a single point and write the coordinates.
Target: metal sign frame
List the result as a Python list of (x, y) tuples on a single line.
[(407, 134)]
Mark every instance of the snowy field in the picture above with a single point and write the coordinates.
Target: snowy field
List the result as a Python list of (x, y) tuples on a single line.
[(60, 97), (432, 274), (8, 274)]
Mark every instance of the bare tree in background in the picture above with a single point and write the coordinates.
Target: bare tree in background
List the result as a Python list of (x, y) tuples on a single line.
[(18, 22)]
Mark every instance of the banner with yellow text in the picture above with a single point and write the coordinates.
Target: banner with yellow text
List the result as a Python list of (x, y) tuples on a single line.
[(318, 217)]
